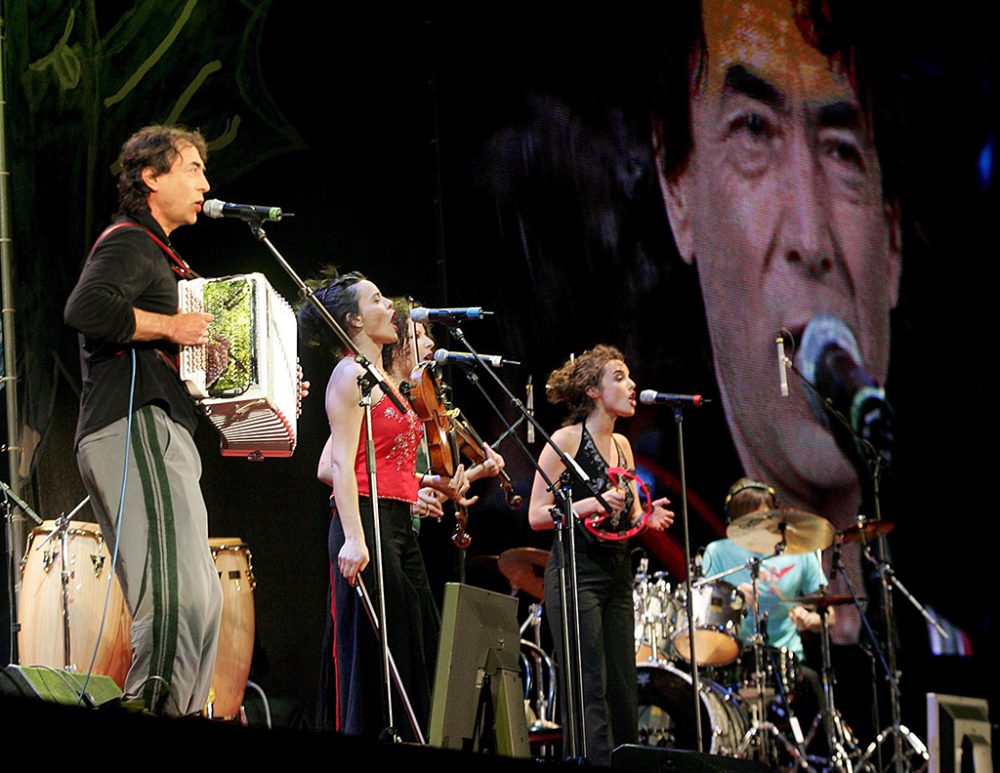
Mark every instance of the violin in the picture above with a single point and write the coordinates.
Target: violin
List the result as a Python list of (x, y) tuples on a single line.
[(427, 396), (449, 435)]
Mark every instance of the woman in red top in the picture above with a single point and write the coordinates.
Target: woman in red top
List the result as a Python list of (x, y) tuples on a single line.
[(411, 615)]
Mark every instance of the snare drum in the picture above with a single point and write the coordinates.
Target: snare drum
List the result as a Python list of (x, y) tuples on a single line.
[(41, 640), (778, 663), (718, 609), (655, 607), (234, 563), (666, 714)]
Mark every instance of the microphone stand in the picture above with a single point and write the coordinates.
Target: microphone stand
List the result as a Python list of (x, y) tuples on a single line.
[(565, 520), (678, 408), (366, 383), (689, 562), (875, 460)]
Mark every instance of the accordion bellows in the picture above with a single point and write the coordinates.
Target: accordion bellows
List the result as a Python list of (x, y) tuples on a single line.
[(246, 378)]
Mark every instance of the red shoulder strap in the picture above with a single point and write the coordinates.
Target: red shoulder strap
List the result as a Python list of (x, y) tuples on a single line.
[(177, 264)]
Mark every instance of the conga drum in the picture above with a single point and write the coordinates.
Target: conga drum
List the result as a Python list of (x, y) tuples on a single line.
[(234, 563), (41, 641)]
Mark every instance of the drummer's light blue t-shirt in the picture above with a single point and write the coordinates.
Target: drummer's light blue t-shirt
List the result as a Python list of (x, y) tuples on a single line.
[(781, 578)]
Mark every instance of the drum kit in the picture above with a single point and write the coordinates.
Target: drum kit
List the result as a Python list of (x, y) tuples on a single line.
[(71, 619), (750, 690)]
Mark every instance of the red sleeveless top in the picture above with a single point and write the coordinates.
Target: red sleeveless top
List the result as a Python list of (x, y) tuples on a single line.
[(397, 436)]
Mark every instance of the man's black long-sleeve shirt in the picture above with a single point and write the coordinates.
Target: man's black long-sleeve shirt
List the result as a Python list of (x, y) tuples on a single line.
[(126, 270)]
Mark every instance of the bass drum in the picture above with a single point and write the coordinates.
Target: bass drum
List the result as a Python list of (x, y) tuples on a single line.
[(666, 716)]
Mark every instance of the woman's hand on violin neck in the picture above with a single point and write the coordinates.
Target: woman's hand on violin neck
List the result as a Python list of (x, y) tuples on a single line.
[(489, 468)]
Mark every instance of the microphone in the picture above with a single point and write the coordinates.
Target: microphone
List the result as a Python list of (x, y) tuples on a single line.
[(215, 209), (448, 316), (444, 357), (782, 373), (652, 397), (831, 360)]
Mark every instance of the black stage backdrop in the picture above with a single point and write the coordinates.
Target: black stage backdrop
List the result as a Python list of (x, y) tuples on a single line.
[(499, 159)]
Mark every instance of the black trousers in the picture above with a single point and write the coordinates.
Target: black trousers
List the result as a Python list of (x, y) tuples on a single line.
[(351, 694), (607, 644)]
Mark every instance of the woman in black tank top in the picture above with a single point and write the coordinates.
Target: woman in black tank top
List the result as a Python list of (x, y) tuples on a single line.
[(597, 388)]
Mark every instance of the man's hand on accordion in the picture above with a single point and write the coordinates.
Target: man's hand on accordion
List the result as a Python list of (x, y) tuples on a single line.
[(190, 328), (187, 328)]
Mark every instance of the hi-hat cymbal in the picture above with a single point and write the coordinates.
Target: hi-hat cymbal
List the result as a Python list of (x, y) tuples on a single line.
[(525, 569), (866, 531), (762, 531)]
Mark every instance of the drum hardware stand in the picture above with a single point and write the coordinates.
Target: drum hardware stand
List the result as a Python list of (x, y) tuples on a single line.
[(9, 499), (545, 699), (898, 732), (65, 575), (837, 735), (397, 682), (760, 727), (648, 622), (565, 520), (546, 702)]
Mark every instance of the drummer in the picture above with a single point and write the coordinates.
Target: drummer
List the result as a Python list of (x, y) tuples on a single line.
[(784, 577)]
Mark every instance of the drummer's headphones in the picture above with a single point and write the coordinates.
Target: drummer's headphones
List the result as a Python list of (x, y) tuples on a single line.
[(750, 484)]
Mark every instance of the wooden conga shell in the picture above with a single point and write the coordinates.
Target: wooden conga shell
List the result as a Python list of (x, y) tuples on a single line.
[(40, 609), (234, 563)]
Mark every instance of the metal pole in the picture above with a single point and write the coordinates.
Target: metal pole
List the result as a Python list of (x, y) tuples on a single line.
[(18, 529)]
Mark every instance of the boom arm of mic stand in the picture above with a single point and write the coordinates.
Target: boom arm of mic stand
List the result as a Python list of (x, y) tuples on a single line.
[(525, 416), (257, 228), (838, 568), (883, 567)]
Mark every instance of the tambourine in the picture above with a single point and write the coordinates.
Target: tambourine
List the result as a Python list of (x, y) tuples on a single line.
[(616, 475)]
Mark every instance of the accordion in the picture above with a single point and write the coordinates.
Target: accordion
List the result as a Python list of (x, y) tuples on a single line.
[(246, 378)]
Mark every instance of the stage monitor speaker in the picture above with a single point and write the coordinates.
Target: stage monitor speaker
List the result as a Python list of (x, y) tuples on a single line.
[(648, 759), (480, 644), (57, 685)]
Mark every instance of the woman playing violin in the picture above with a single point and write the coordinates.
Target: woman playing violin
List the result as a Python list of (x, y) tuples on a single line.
[(413, 347), (598, 390)]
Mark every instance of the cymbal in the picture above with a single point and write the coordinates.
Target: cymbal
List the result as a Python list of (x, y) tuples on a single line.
[(525, 569), (866, 532), (820, 600), (761, 531)]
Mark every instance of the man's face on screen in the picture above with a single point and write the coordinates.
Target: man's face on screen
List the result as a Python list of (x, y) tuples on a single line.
[(780, 207)]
